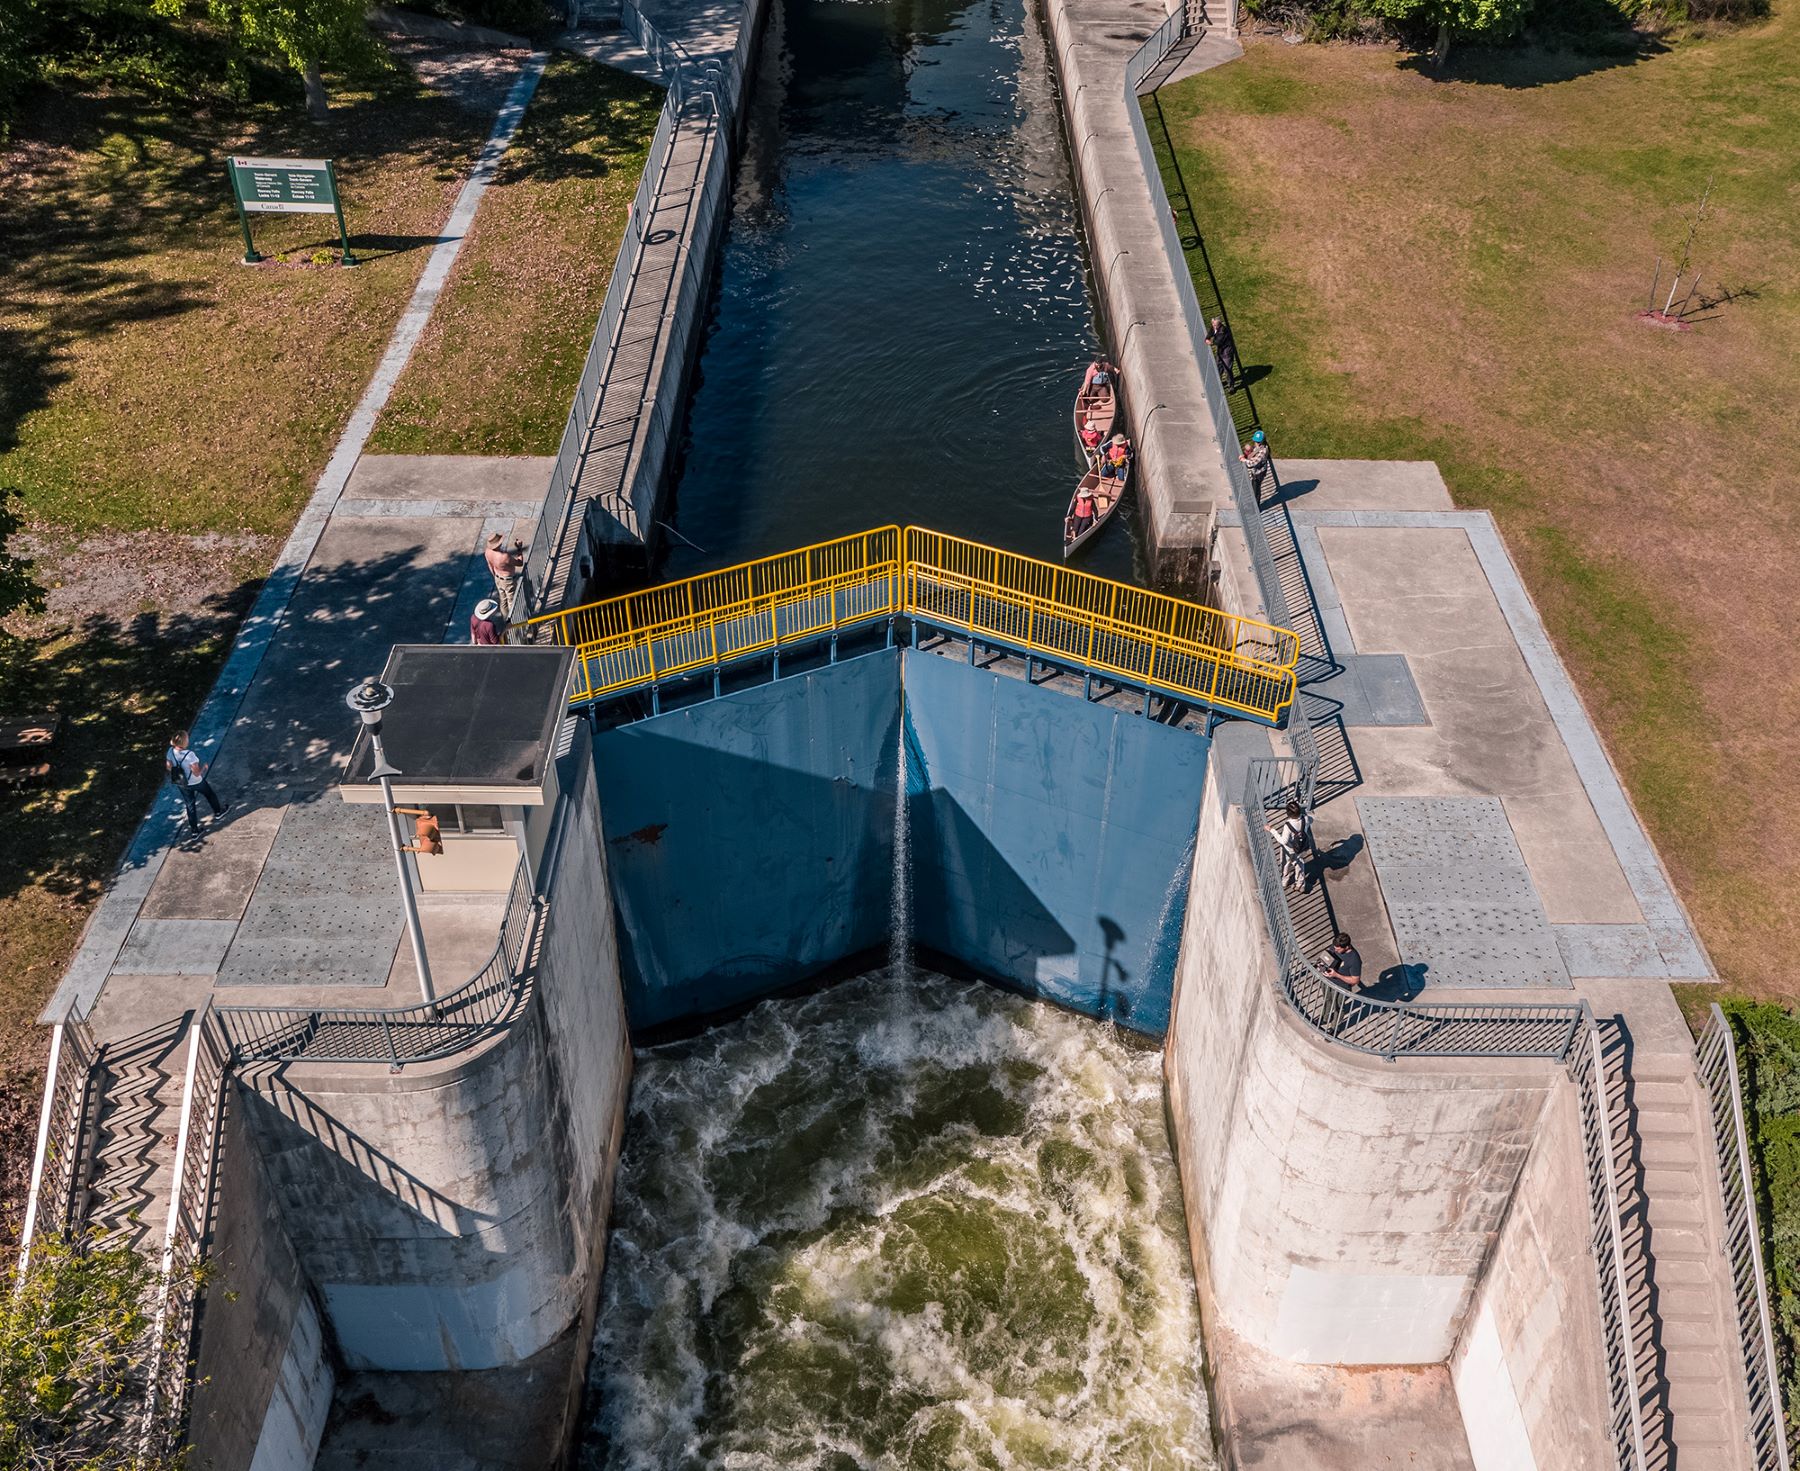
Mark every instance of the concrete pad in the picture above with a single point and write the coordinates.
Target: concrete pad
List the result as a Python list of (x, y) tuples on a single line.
[(131, 1003), (1280, 1416), (1359, 485), (1610, 950), (1423, 593), (213, 879), (460, 936), (1458, 894), (175, 947)]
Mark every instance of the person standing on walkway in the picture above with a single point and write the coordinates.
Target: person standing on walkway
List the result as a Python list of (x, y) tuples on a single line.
[(486, 626), (1256, 461), (507, 565), (1218, 337), (1292, 835), (1342, 963), (188, 775)]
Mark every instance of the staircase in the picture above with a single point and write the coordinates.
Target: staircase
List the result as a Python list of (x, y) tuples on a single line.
[(132, 1175), (1672, 1322), (1691, 1298)]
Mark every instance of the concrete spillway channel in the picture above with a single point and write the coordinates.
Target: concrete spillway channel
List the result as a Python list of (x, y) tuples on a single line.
[(891, 1048)]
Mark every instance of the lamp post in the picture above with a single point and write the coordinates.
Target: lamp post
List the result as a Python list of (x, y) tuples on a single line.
[(368, 700)]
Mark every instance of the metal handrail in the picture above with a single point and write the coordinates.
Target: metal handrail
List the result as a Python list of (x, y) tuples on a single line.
[(397, 1035), (1244, 499), (1626, 1379), (63, 1144), (1716, 1053), (170, 1379), (1127, 633), (1386, 1029)]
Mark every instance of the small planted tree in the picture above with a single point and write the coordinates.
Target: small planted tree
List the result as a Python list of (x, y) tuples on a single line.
[(1488, 20), (76, 1341), (307, 34)]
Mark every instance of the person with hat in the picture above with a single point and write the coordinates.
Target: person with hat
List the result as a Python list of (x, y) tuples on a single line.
[(487, 625), (1256, 461), (1116, 458), (506, 564)]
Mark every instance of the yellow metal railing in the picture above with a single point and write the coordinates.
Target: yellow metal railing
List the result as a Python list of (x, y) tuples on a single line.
[(1218, 658)]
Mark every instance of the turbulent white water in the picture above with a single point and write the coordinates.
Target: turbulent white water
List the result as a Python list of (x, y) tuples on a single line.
[(906, 1222)]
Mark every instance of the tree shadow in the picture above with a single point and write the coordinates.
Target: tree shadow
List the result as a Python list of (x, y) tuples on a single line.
[(1542, 63), (586, 121), (122, 684), (123, 177)]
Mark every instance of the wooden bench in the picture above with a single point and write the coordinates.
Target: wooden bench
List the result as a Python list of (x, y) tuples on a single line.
[(25, 740)]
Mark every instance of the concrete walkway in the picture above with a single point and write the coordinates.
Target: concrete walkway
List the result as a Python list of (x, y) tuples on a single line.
[(618, 482), (1440, 696), (1180, 476)]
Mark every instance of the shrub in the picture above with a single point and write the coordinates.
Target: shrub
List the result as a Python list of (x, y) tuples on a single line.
[(1769, 1055)]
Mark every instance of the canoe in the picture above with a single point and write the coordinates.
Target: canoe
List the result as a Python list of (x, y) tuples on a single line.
[(1106, 493), (1096, 406)]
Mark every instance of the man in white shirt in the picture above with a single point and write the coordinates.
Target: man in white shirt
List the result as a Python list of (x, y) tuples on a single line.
[(188, 774)]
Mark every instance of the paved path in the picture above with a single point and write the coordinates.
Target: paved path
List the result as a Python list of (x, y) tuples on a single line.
[(1180, 475), (1438, 666), (343, 590)]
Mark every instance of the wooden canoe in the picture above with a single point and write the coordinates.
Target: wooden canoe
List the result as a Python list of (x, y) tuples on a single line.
[(1106, 493), (1098, 407)]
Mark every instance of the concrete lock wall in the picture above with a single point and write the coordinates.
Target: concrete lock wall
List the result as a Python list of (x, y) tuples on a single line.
[(1050, 838), (751, 837), (451, 1215), (1341, 1207), (263, 1377), (1529, 1370)]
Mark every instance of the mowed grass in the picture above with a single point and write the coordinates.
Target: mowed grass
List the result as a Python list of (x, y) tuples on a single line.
[(1449, 270), (150, 381), (495, 371), (166, 410)]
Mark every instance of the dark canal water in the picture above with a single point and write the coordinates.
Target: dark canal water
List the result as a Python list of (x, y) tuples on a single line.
[(903, 312)]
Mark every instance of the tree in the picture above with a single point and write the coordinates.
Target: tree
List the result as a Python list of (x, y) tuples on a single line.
[(1487, 19), (307, 34), (75, 1345)]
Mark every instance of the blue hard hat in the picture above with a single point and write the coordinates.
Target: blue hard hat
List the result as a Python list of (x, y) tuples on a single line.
[(1258, 436)]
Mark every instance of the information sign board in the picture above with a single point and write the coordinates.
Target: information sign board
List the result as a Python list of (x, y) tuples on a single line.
[(286, 186)]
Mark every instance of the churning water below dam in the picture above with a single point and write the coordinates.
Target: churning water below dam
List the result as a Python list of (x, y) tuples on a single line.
[(903, 1222)]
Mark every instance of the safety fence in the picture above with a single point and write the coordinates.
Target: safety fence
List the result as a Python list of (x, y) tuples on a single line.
[(1386, 1029), (65, 1139), (1716, 1053), (185, 1239), (1125, 633), (1631, 1378), (1243, 494), (700, 93), (407, 1034)]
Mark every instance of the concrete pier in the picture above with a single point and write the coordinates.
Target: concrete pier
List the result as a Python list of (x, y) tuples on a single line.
[(1180, 477)]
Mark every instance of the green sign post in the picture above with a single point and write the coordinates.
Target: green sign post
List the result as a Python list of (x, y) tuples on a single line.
[(286, 186)]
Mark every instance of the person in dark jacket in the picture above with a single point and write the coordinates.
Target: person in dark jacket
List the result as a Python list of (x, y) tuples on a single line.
[(1218, 337)]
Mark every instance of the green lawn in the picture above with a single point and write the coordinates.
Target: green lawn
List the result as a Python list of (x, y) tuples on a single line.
[(496, 369), (1449, 269)]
